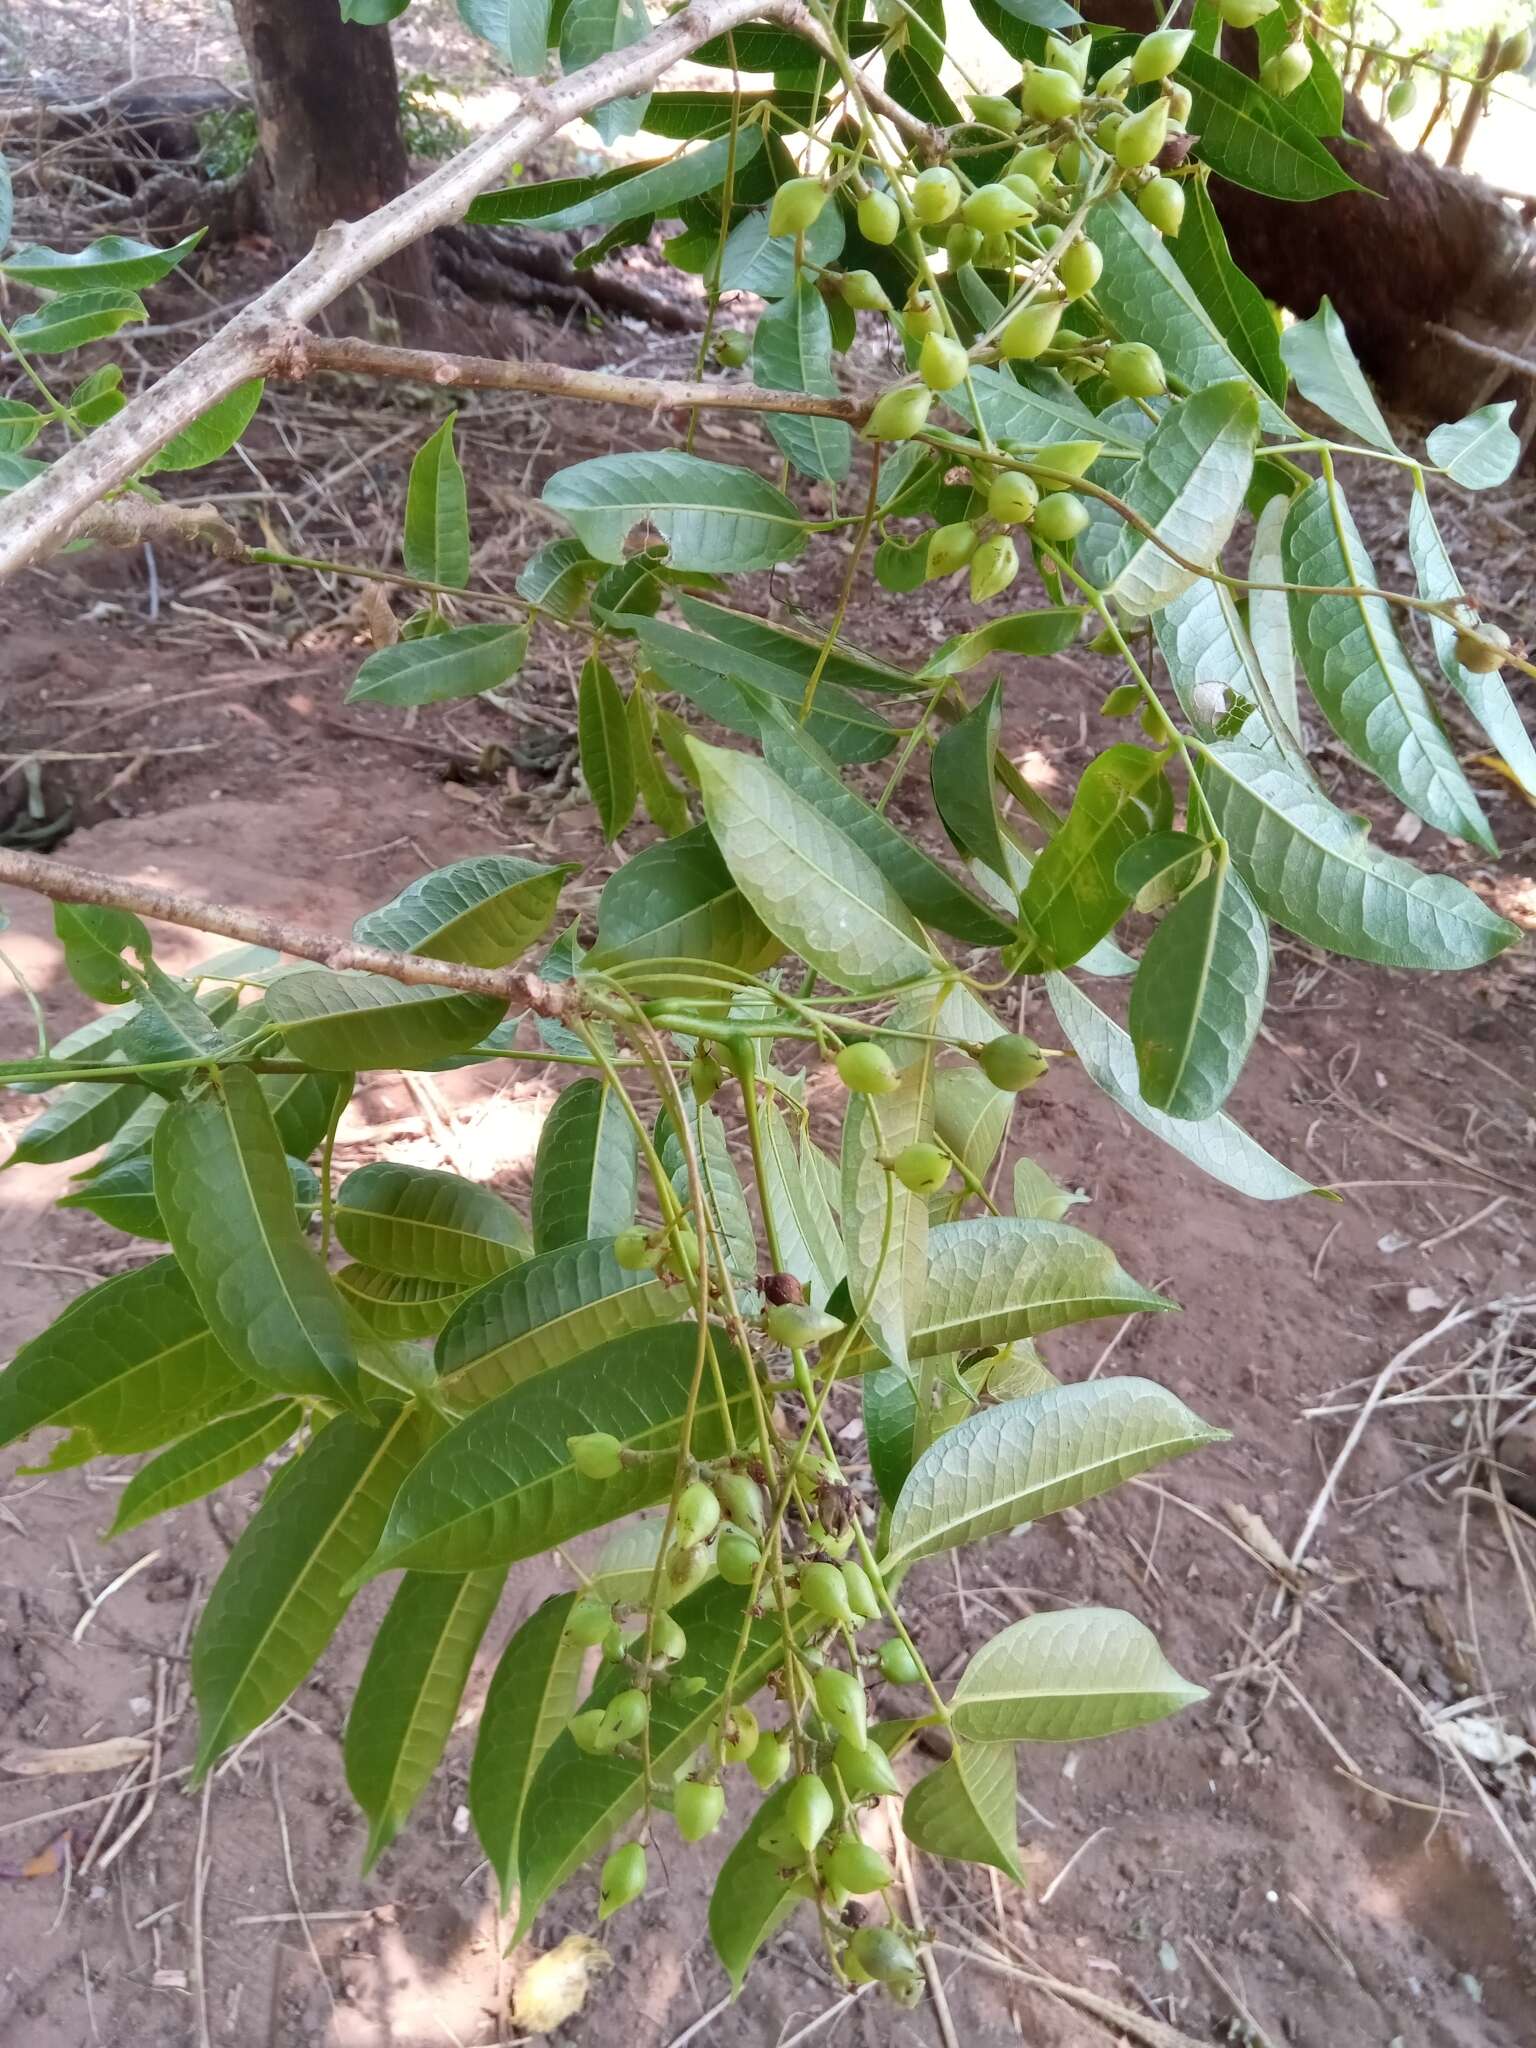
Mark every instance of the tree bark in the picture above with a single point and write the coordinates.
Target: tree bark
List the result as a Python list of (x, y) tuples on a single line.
[(328, 116)]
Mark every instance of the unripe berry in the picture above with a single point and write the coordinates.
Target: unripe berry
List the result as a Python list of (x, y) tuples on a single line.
[(864, 292), (797, 1326), (796, 206), (1023, 187), (898, 415), (823, 1591), (922, 1169), (1135, 371), (921, 316), (680, 1250), (1115, 83), (942, 362), (623, 1879), (856, 1867), (1063, 458), (1288, 69), (1160, 54), (935, 195), (808, 1810), (589, 1621), (993, 112), (1012, 1062), (1162, 203), (840, 1702), (897, 1664), (1030, 332), (995, 209), (1036, 161), (596, 1455), (1514, 52), (739, 1735), (705, 1075), (632, 1249), (1244, 13), (1402, 99), (733, 348), (769, 1761), (586, 1731), (1080, 268), (950, 547), (669, 1640), (1474, 652), (1012, 499), (698, 1809), (736, 1558), (865, 1069), (1140, 136), (1107, 128), (1061, 518), (1180, 100), (742, 1498), (698, 1513), (962, 245), (993, 567), (624, 1717), (879, 219), (883, 1954), (866, 1773), (1052, 95), (862, 1597), (687, 1568)]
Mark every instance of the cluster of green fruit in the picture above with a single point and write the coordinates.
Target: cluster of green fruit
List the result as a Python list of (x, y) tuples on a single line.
[(1011, 1063)]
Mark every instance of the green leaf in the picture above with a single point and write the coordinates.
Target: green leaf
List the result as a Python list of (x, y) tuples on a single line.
[(1041, 14), (754, 1893), (1035, 406), (1009, 1465), (1217, 1146), (1479, 451), (463, 662), (792, 351), (1360, 672), (204, 1461), (543, 1313), (406, 1700), (287, 1584), (1072, 898), (1252, 139), (755, 261), (395, 1307), (517, 30), (20, 425), (436, 544), (724, 1198), (530, 1698), (1036, 1197), (892, 1418), (809, 883), (586, 1175), (800, 654), (485, 911), (1067, 1677), (711, 516), (122, 1193), (557, 577), (114, 262), (1269, 630), (71, 322), (590, 29), (303, 1107), (351, 1022), (577, 1802), (1198, 997), (603, 730), (1202, 638), (76, 1120), (967, 1809), (501, 1485), (964, 787), (685, 116), (428, 1225), (804, 1227), (1314, 871), (914, 83), (212, 434), (729, 684), (660, 188), (970, 1117), (885, 1225), (994, 1279), (1234, 303), (128, 1366), (1043, 632), (1188, 488), (676, 901), (664, 802), (222, 1184), (94, 941), (1486, 696), (1319, 357)]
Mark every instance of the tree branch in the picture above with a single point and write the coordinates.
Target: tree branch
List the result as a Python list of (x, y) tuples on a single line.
[(33, 518), (66, 884)]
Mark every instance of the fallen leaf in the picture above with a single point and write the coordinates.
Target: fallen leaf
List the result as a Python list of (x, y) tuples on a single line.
[(115, 1754), (554, 1988), (1485, 1741)]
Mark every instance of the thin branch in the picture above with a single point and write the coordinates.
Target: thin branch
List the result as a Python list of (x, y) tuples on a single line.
[(66, 884), (33, 518)]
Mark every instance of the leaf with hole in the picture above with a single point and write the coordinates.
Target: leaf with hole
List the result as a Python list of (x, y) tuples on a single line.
[(1068, 1677)]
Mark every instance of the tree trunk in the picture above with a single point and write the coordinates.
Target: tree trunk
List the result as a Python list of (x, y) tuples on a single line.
[(328, 117)]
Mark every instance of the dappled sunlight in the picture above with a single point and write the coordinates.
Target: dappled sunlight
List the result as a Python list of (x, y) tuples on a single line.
[(1515, 896)]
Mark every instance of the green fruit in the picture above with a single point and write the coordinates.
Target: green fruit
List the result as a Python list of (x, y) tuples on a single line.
[(739, 1735), (898, 1666), (1052, 95), (950, 548), (680, 1250), (855, 1867), (898, 415), (1180, 99), (669, 1641), (1023, 187), (1514, 52), (883, 1953), (614, 1645), (993, 567), (1402, 99), (1069, 161), (962, 245), (589, 1622), (808, 1810), (862, 1597), (1288, 69), (632, 1249), (864, 292), (597, 1455), (623, 1879), (1135, 371), (1013, 498), (1162, 203), (865, 1069), (1069, 57), (705, 1075), (797, 1326), (698, 1513), (1012, 1062), (1030, 332), (769, 1759), (1159, 55), (942, 363), (1140, 136), (866, 1773), (623, 1718), (796, 206), (742, 1498), (698, 1809), (1081, 267), (922, 1169), (823, 1591), (921, 316), (840, 1701), (935, 195), (733, 348), (993, 112), (1114, 83), (687, 1569), (585, 1731), (1036, 161), (1107, 128), (1063, 459), (1244, 13), (1474, 651), (995, 210), (1061, 518), (879, 219), (736, 1558)]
